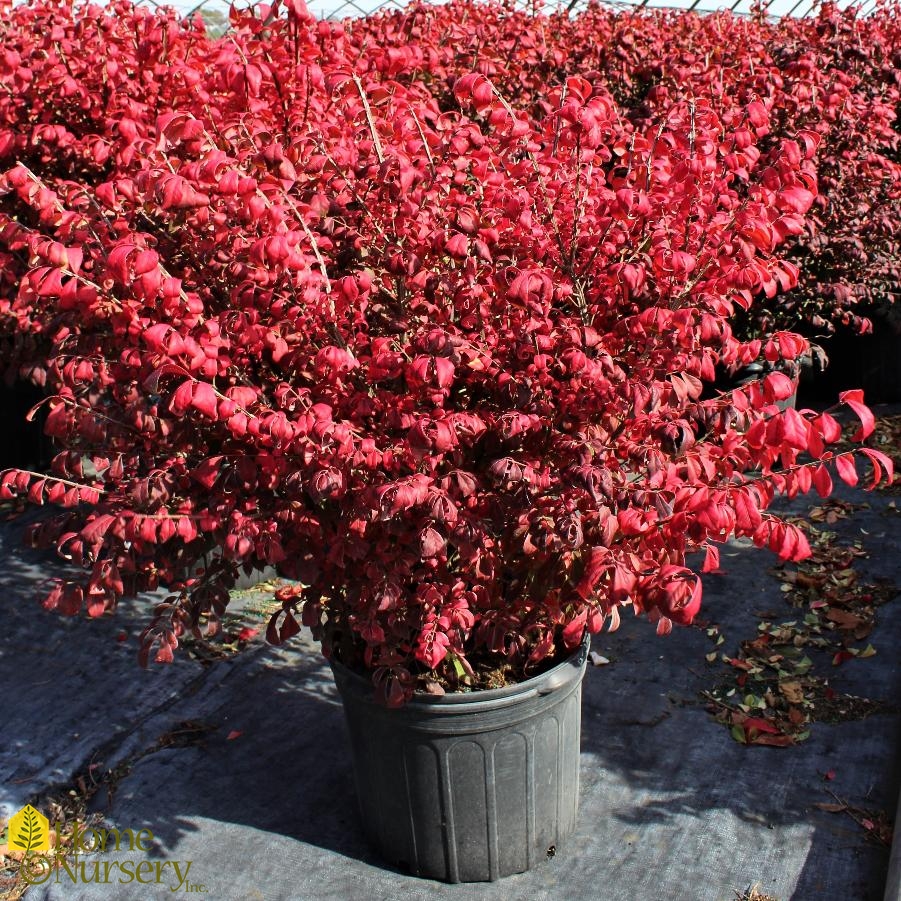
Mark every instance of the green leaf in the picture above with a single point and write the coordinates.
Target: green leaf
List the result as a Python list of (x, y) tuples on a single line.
[(739, 735)]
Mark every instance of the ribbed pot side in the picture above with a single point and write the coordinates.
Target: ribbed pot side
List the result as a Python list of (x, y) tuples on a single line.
[(469, 787)]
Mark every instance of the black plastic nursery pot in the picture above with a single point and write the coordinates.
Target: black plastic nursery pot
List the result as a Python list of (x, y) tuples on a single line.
[(871, 362), (469, 786), (25, 445)]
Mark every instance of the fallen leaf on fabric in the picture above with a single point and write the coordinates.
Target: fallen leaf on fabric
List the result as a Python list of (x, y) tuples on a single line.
[(792, 691)]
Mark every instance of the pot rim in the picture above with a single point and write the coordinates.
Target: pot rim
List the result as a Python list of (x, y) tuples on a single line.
[(549, 681)]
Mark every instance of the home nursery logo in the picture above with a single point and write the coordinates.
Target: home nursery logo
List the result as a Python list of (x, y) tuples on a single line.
[(46, 855), (29, 830)]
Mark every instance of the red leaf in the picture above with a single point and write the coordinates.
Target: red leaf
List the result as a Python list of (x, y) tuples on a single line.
[(205, 400), (777, 386), (854, 399), (738, 663), (96, 604), (664, 625), (596, 564), (290, 628), (155, 336), (847, 471), (878, 461), (828, 427), (797, 198), (789, 542), (796, 429), (36, 491), (97, 527), (72, 599), (208, 472), (458, 246), (272, 629), (711, 559), (761, 725), (822, 481), (182, 397), (575, 630)]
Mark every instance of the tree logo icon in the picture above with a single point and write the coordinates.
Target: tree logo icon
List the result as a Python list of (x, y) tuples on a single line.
[(29, 830)]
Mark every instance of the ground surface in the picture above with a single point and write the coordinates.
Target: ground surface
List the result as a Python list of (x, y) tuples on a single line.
[(241, 766)]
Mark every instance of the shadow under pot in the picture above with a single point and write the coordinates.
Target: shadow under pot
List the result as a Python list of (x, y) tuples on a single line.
[(468, 786)]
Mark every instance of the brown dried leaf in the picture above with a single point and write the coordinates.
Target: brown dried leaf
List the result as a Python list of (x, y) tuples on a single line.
[(792, 692), (844, 620), (809, 580)]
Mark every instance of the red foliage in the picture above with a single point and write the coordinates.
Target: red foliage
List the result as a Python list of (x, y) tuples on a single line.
[(831, 83), (431, 340)]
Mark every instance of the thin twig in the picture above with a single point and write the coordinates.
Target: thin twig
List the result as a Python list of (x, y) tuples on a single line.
[(370, 121)]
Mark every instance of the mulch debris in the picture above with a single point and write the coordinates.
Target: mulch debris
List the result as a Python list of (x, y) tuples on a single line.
[(775, 687)]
